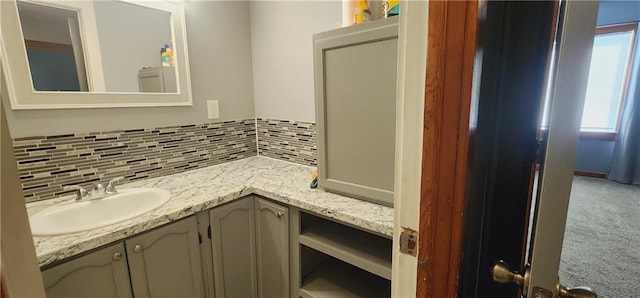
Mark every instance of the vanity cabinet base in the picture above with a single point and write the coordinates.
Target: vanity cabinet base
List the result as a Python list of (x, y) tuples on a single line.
[(164, 262), (251, 247), (102, 273)]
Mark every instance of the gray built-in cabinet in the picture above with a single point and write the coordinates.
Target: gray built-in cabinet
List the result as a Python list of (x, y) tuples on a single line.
[(335, 260), (164, 262), (160, 79), (251, 249), (355, 87)]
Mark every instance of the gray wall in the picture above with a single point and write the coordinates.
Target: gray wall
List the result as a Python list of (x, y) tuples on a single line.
[(594, 155), (615, 12), (219, 40), (282, 51), (130, 38), (55, 31)]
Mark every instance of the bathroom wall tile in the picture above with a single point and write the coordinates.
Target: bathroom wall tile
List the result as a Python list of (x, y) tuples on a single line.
[(293, 141), (47, 163)]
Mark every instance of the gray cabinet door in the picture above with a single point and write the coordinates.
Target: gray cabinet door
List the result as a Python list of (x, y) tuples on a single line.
[(355, 74), (204, 229), (166, 262), (272, 249), (234, 261), (102, 273)]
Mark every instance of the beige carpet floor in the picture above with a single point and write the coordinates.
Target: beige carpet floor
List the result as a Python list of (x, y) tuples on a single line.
[(601, 247)]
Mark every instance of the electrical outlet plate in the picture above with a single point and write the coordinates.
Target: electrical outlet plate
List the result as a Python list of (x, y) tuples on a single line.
[(213, 109)]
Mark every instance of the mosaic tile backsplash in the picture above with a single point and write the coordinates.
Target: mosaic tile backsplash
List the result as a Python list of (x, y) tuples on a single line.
[(47, 163), (293, 141)]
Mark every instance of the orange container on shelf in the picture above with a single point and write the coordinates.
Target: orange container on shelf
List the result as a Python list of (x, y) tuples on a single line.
[(361, 12)]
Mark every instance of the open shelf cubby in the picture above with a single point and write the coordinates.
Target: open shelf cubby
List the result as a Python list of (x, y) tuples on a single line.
[(341, 261), (334, 278)]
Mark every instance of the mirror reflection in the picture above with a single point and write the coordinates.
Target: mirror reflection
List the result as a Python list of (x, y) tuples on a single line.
[(98, 46), (56, 61)]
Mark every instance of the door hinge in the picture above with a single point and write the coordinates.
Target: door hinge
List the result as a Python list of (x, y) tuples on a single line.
[(209, 232), (409, 242), (199, 238)]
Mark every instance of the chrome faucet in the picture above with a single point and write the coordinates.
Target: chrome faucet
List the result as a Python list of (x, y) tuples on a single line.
[(99, 190), (81, 193), (111, 187)]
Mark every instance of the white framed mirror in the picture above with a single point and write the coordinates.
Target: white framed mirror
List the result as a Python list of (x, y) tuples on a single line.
[(61, 54)]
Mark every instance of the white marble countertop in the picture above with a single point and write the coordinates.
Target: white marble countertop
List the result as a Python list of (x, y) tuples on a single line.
[(202, 189)]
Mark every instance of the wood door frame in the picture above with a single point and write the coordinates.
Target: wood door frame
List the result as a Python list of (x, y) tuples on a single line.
[(452, 39), (412, 61), (480, 141)]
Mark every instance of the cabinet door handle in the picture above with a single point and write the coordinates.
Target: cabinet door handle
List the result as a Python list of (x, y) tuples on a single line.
[(137, 248), (117, 256), (280, 214)]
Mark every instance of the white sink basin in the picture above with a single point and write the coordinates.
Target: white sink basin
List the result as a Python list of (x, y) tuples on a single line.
[(80, 216)]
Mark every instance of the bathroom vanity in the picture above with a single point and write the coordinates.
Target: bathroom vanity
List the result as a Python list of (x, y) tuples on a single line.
[(160, 263), (249, 228)]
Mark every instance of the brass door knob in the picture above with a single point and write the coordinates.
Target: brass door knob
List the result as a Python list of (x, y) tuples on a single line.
[(501, 273), (137, 248), (280, 214), (577, 292), (117, 256)]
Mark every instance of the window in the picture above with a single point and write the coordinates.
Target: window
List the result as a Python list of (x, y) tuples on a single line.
[(608, 77), (609, 73)]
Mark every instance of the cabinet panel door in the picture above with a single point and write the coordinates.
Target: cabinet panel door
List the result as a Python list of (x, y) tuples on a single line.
[(204, 229), (272, 249), (102, 273), (166, 262), (234, 264), (349, 83)]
